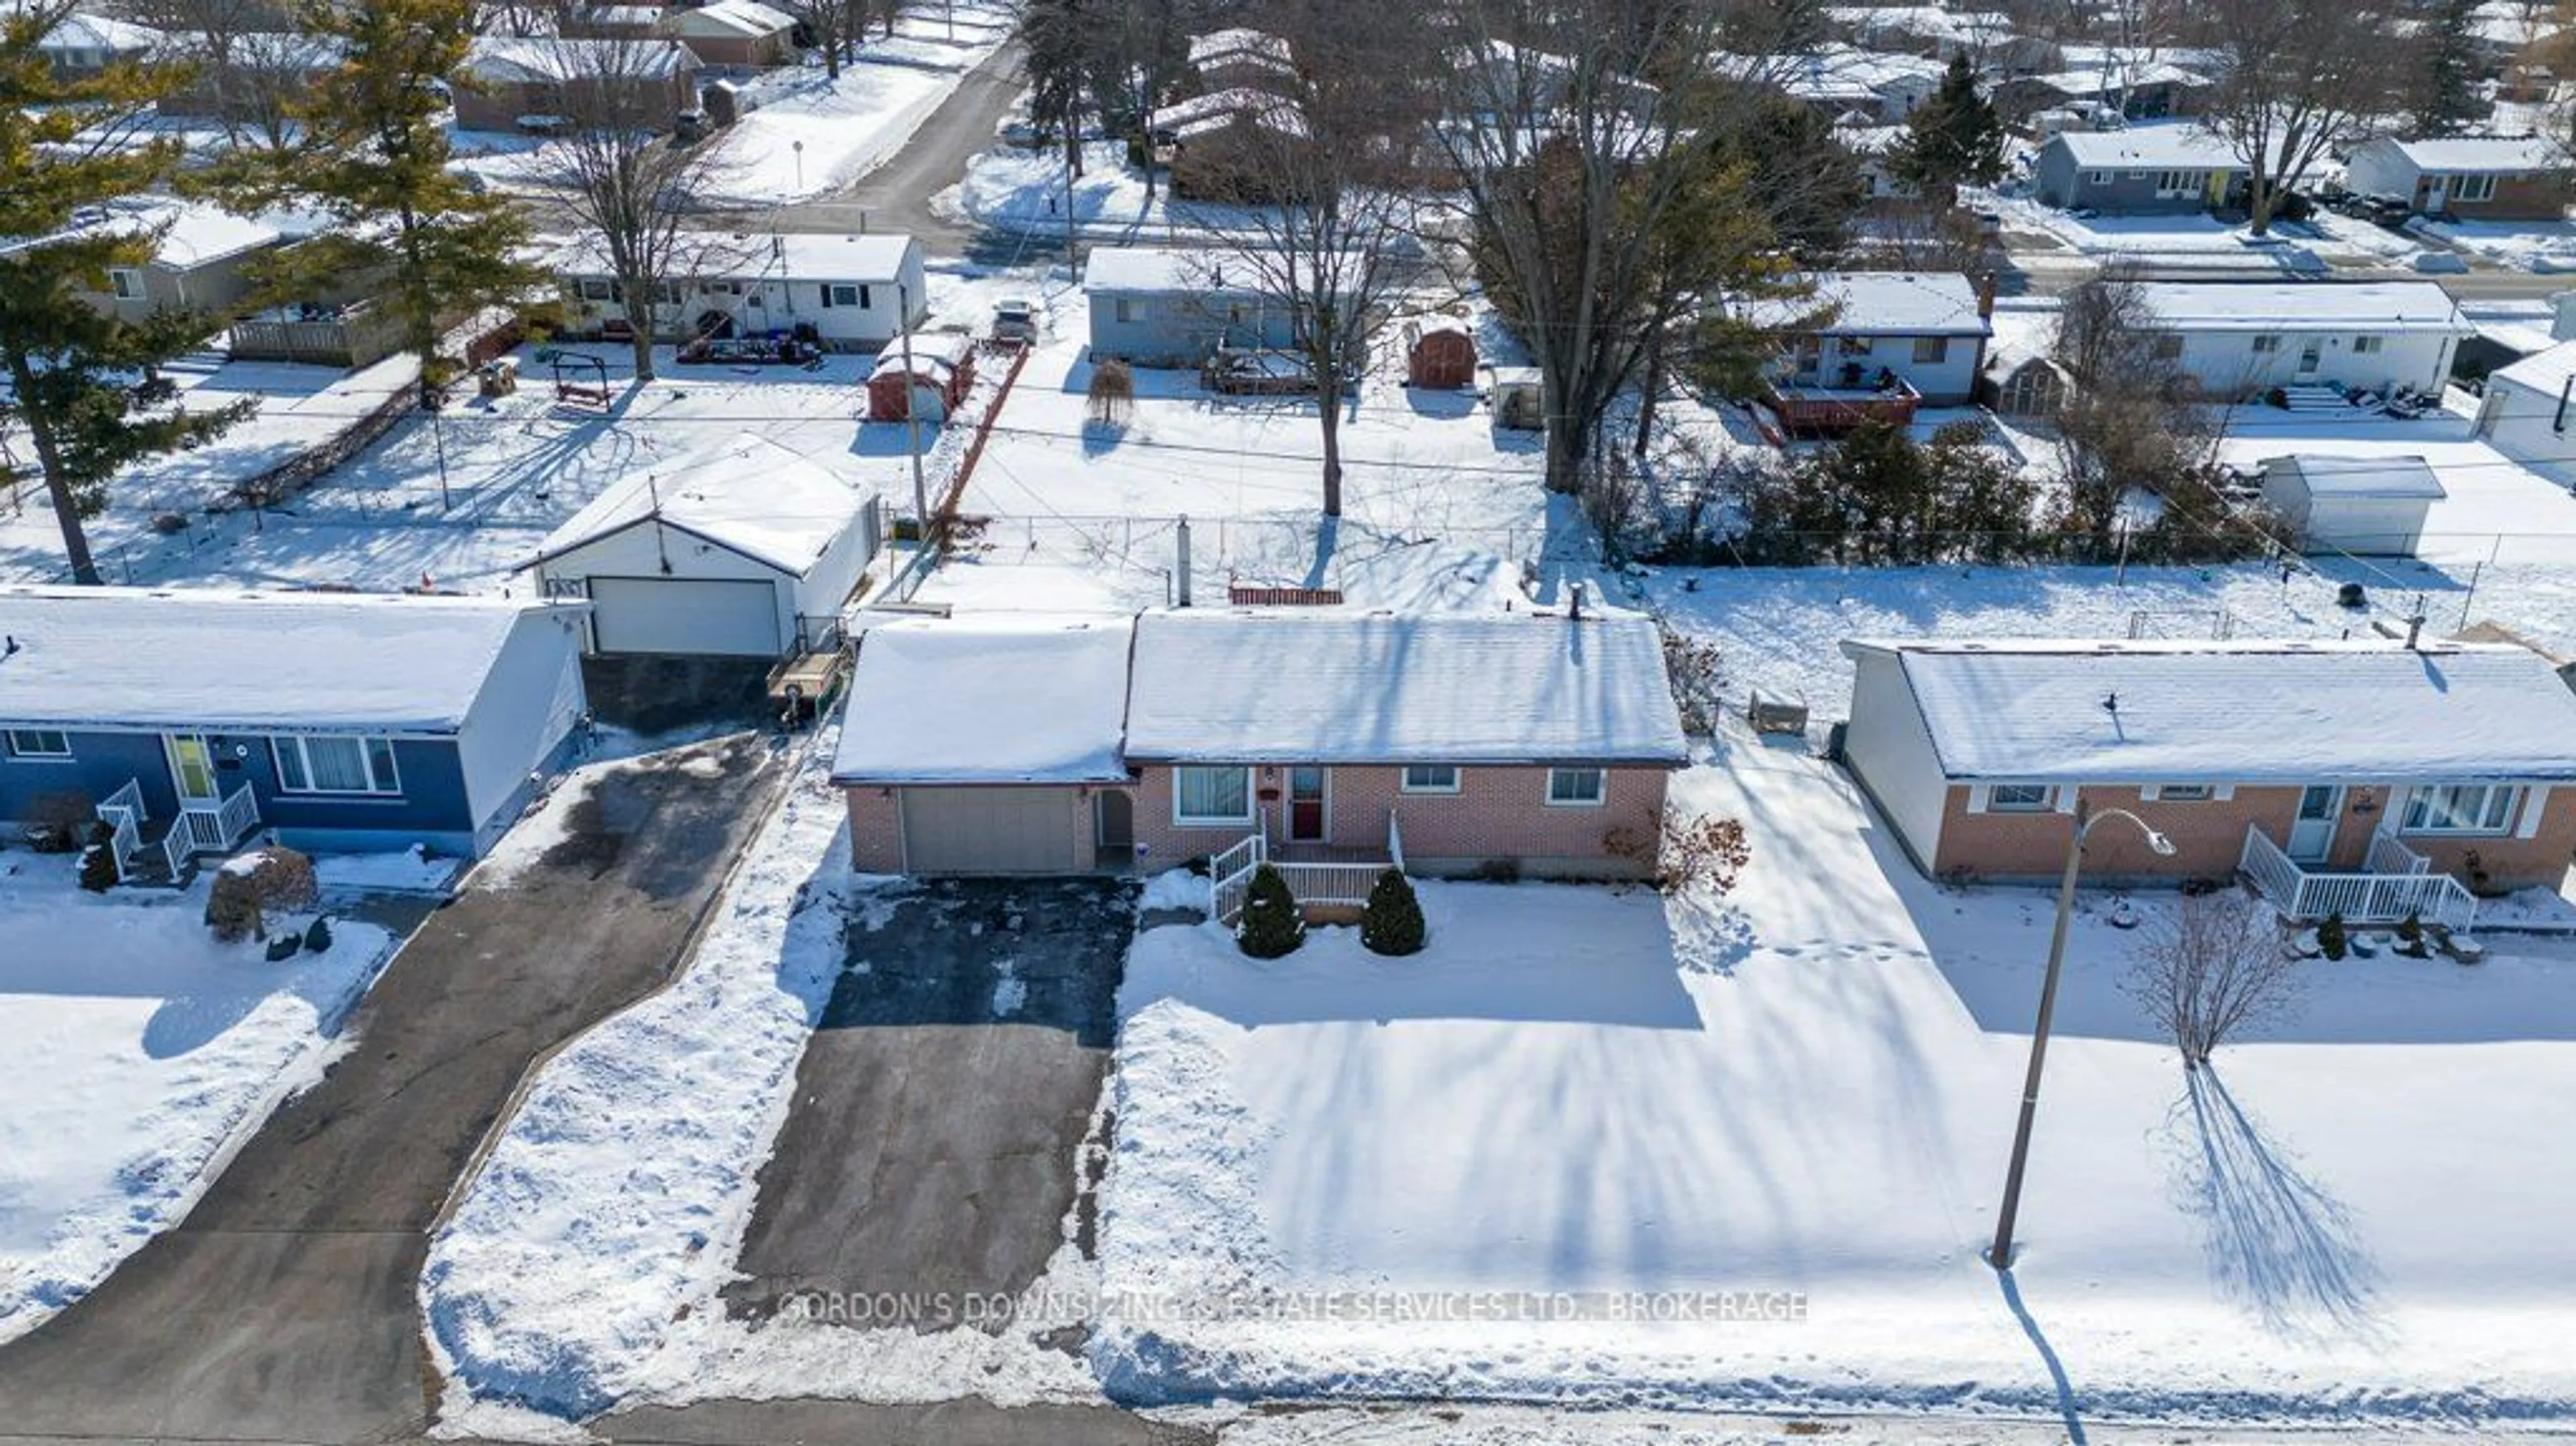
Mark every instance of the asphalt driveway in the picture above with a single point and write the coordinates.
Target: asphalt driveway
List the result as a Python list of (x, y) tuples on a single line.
[(939, 1108), (283, 1308)]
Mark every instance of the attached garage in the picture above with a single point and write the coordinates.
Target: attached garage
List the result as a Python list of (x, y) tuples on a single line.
[(746, 550), (983, 745), (720, 616), (992, 831)]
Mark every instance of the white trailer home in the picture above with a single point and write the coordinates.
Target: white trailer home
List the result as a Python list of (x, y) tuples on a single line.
[(846, 293), (2243, 338)]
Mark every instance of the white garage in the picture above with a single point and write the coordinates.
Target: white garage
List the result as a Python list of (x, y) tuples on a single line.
[(992, 830), (745, 550), (2370, 506)]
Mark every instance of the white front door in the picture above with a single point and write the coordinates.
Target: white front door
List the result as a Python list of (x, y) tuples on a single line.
[(192, 768), (2312, 833), (2437, 192), (2311, 356)]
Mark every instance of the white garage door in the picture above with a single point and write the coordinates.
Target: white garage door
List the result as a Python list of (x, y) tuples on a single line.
[(989, 831), (685, 615)]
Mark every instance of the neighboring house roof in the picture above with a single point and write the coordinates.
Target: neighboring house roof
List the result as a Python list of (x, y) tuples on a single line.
[(2548, 372), (750, 496), (2149, 148), (2481, 155), (1240, 44), (619, 17), (876, 257), (2247, 712), (79, 31), (742, 19), (546, 59), (1341, 686), (2094, 82), (986, 701), (1221, 108), (2364, 477), (210, 658), (2366, 306), (1156, 270), (1881, 303)]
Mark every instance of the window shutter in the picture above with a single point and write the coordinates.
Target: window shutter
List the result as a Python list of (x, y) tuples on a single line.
[(2535, 802), (2066, 796), (1976, 798)]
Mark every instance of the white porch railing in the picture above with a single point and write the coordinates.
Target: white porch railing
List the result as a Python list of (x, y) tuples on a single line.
[(123, 814), (1337, 882), (1230, 875), (209, 828), (2376, 897), (2388, 856)]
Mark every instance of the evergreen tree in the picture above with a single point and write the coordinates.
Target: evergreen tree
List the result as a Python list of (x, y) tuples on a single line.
[(2446, 99), (1953, 139), (1391, 922), (1054, 40), (374, 158), (81, 379), (1271, 927)]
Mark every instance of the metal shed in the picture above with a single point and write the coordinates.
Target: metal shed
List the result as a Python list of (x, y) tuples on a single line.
[(2365, 505)]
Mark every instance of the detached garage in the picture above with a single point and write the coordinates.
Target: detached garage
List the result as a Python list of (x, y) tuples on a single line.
[(979, 746), (745, 551), (2373, 506)]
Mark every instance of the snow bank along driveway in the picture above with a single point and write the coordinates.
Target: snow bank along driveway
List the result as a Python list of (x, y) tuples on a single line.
[(139, 1054), (1788, 1117)]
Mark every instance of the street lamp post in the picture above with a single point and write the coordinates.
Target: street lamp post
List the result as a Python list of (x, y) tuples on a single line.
[(799, 148), (2000, 1257)]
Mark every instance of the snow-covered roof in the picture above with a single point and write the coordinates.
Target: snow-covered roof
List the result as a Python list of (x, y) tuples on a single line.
[(215, 659), (81, 31), (188, 233), (750, 496), (1344, 686), (1882, 303), (2240, 712), (932, 352), (1218, 109), (2482, 155), (545, 59), (2149, 148), (801, 256), (747, 18), (2391, 477), (2367, 306), (986, 701), (1157, 270), (1240, 43), (2547, 372)]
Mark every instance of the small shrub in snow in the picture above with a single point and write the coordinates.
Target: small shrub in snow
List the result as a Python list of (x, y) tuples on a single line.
[(1271, 927), (285, 946), (1112, 393), (317, 936), (2410, 936), (1684, 853), (1391, 923), (2332, 939), (249, 885), (98, 868)]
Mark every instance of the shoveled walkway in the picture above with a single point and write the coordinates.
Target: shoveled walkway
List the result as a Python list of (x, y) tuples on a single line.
[(283, 1308)]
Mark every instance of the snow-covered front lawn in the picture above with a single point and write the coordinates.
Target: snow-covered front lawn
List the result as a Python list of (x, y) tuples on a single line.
[(1796, 1106), (139, 1055)]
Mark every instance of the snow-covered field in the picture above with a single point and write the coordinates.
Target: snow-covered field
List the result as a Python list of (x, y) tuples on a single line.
[(808, 136), (1796, 1106), (2522, 245), (140, 1054)]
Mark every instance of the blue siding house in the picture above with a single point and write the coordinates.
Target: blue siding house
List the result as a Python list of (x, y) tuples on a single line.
[(191, 721), (1155, 307)]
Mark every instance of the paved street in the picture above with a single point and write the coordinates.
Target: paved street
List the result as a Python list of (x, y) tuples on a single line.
[(283, 1308)]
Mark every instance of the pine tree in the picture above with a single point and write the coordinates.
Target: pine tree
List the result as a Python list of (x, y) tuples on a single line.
[(2332, 940), (1271, 927), (1391, 922), (374, 158), (1952, 140), (1055, 36), (2446, 99), (82, 379)]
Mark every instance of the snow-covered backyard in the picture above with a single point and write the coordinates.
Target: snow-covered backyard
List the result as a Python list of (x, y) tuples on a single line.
[(1794, 1106), (141, 1054)]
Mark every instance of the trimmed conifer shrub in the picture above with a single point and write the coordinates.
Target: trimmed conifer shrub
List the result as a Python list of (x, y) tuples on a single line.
[(1391, 922), (1271, 928)]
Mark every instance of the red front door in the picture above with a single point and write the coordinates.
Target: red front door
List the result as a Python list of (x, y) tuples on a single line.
[(1306, 805)]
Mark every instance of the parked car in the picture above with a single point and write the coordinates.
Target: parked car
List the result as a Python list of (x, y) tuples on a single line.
[(1015, 318)]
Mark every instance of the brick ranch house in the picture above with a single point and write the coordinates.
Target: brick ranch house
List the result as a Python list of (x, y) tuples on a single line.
[(2365, 778), (1341, 740)]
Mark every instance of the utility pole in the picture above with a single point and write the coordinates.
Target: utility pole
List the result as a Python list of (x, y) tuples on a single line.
[(912, 414)]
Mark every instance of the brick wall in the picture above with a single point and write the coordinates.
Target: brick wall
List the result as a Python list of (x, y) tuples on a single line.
[(876, 830), (1497, 813)]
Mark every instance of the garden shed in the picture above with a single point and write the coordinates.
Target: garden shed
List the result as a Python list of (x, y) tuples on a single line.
[(942, 371), (2369, 505), (747, 550), (1439, 352)]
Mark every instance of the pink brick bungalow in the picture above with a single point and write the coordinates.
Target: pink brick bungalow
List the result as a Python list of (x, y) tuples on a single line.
[(1341, 738)]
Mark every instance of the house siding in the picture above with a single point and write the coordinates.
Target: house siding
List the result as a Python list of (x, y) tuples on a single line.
[(1949, 382), (496, 105), (2379, 168), (2225, 364), (1168, 329), (769, 303), (2126, 191)]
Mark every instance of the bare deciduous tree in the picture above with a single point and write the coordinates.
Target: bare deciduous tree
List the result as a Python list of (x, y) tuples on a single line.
[(2128, 418), (630, 184), (2300, 77), (2215, 966)]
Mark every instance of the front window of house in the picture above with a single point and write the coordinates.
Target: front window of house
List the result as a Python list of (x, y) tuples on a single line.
[(2367, 345), (336, 765), (1931, 350), (2474, 188), (2020, 797), (2183, 793), (598, 288), (39, 743), (2462, 808), (1575, 787), (1431, 778), (2267, 344), (126, 282), (841, 295), (1211, 795)]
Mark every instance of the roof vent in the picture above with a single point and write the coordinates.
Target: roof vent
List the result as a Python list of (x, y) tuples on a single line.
[(2111, 704)]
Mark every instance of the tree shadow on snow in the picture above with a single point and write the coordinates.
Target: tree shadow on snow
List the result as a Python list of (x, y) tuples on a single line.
[(2279, 1243)]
